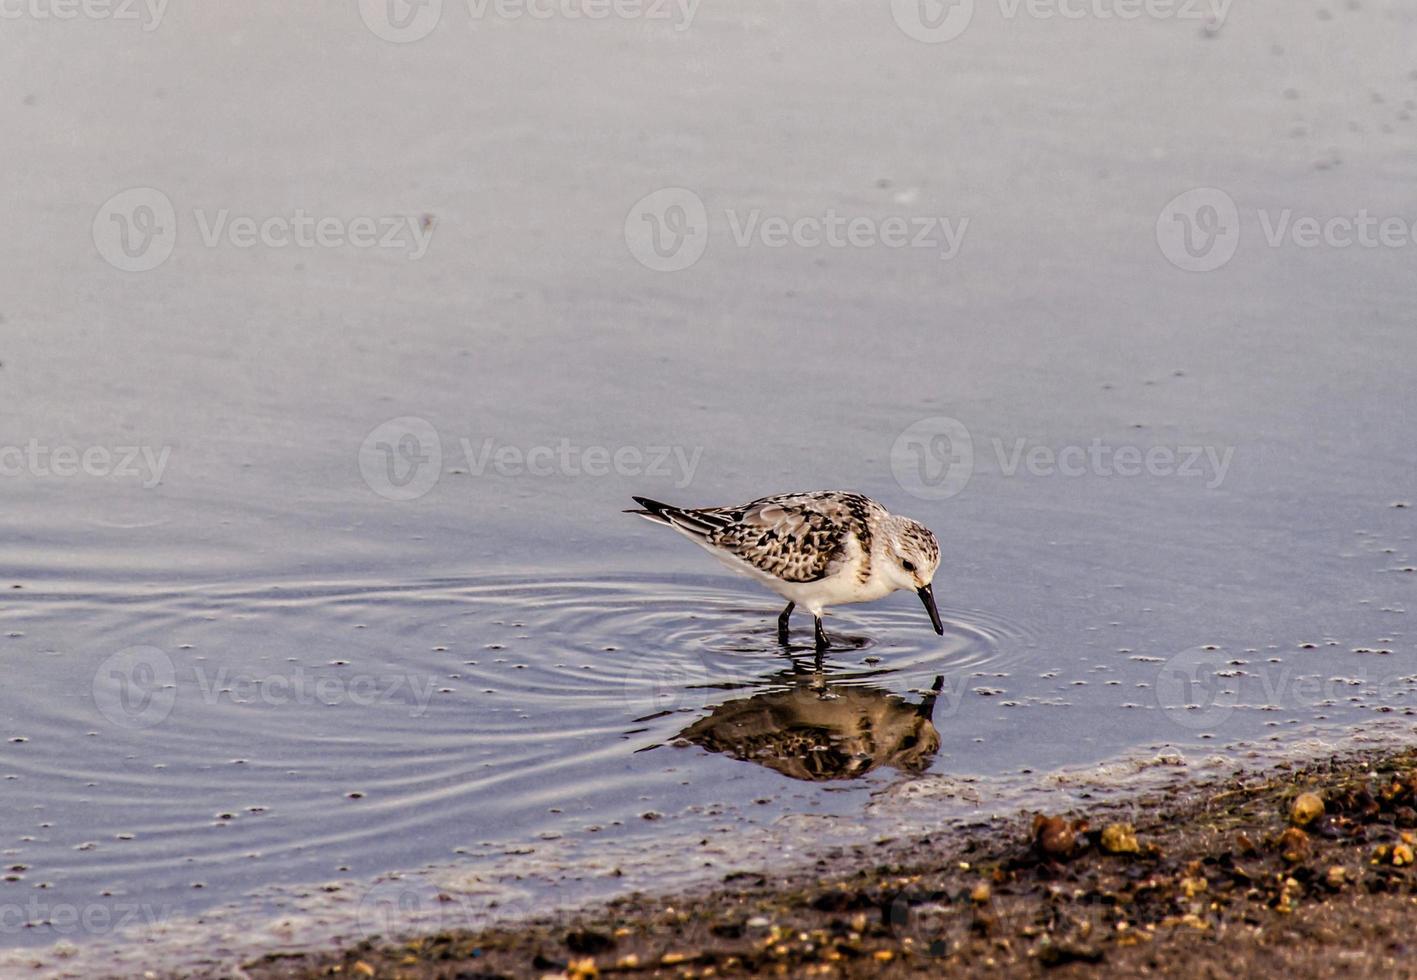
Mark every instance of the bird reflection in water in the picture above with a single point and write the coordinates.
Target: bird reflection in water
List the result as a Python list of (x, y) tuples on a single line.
[(823, 731)]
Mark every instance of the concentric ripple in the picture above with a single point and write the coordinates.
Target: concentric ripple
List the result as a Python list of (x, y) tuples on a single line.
[(185, 745)]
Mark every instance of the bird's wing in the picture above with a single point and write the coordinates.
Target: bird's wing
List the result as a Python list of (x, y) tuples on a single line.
[(795, 537)]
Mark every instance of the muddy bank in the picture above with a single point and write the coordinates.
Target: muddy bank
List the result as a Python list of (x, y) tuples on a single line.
[(1306, 869)]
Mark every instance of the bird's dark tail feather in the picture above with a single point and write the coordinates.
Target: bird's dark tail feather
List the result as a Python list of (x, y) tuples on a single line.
[(653, 510), (692, 522)]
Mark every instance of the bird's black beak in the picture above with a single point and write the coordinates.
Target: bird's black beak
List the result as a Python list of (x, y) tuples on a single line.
[(926, 709), (928, 597)]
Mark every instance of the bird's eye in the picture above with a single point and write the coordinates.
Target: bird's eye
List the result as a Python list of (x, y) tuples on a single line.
[(908, 565)]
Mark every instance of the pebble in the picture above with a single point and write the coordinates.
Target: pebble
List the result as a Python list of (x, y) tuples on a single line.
[(1120, 838), (582, 969), (1294, 845), (1307, 808), (1053, 836)]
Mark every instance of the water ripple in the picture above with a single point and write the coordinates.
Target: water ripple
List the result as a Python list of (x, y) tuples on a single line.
[(186, 743)]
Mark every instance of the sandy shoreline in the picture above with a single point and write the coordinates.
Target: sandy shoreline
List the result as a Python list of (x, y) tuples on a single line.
[(1203, 879)]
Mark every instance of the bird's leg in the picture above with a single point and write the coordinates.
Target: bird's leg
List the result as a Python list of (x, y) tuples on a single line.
[(782, 623), (820, 634)]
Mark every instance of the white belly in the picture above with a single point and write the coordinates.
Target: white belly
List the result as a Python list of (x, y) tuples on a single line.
[(835, 590)]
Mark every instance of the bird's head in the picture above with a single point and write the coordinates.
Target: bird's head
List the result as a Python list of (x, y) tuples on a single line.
[(914, 556)]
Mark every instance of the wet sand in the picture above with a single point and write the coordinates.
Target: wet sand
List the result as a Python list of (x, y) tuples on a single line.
[(1243, 876)]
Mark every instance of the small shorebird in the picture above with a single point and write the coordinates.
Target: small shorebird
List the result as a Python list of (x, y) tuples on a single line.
[(822, 548)]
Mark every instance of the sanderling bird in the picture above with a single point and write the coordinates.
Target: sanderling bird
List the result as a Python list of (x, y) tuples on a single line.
[(821, 548)]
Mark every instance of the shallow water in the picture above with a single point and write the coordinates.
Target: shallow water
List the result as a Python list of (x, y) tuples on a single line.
[(317, 630), (362, 726)]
